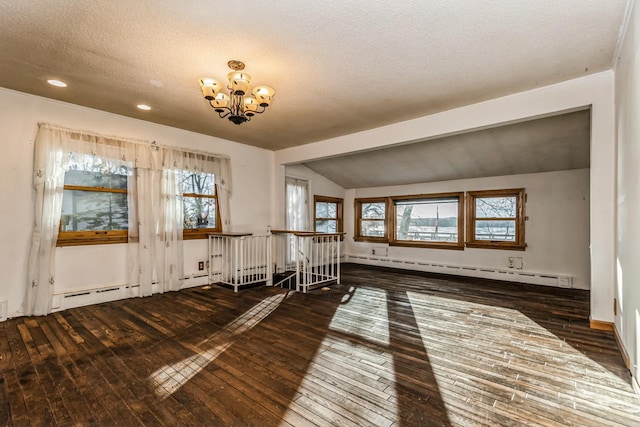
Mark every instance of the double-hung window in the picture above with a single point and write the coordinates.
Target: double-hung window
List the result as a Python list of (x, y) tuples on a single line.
[(200, 202), (371, 220), (495, 219), (94, 201), (428, 220), (327, 214)]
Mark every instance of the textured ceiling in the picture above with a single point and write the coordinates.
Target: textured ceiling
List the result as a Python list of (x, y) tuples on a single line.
[(337, 66), (542, 145)]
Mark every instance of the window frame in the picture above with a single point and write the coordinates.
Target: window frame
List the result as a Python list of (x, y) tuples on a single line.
[(458, 245), (203, 233), (520, 218), (339, 211), (357, 231), (92, 237)]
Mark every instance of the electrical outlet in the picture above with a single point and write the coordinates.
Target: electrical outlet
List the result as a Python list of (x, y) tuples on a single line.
[(382, 251), (515, 262), (201, 265)]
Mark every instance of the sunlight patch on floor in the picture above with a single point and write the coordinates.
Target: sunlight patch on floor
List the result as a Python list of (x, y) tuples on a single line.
[(527, 336), (376, 317), (353, 354), (360, 360), (169, 378), (358, 388)]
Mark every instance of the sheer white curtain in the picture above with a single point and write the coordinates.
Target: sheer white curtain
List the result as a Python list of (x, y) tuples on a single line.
[(171, 247), (175, 161), (145, 209), (154, 206), (48, 180), (297, 211), (297, 208), (54, 148), (223, 190)]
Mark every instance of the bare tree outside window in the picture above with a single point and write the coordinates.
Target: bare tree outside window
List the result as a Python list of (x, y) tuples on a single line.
[(200, 205), (94, 201), (95, 195), (199, 200), (427, 220), (373, 217), (496, 218), (327, 214)]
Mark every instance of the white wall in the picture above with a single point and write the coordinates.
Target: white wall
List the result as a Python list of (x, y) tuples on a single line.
[(627, 85), (251, 202), (557, 232), (318, 184), (594, 90)]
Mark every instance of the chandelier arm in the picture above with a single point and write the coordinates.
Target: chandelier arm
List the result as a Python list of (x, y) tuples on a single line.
[(224, 114), (260, 111)]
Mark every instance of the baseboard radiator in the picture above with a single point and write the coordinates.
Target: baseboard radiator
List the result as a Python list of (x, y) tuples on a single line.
[(81, 297), (511, 275)]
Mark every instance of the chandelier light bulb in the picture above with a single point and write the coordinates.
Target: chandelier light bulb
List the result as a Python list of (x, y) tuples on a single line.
[(239, 82), (250, 106), (210, 88), (220, 101), (263, 94)]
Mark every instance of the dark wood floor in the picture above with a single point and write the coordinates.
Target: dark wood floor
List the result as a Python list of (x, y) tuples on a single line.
[(384, 348)]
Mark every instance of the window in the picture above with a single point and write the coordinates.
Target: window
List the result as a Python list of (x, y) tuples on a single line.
[(327, 214), (94, 202), (371, 220), (201, 213), (495, 219), (431, 220)]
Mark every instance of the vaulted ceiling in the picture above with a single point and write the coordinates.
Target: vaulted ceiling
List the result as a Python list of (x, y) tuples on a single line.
[(546, 144), (337, 66)]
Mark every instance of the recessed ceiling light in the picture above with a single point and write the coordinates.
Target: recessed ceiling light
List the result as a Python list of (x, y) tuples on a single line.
[(57, 83), (144, 107)]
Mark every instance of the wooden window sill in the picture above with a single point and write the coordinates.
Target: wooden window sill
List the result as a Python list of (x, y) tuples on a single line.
[(201, 234), (496, 245), (93, 241), (371, 239), (429, 245)]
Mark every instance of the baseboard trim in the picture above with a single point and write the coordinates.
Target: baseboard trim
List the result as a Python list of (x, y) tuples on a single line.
[(635, 385), (623, 350), (610, 326), (511, 275), (601, 325)]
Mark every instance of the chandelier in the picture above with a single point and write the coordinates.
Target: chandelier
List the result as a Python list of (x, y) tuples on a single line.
[(237, 106)]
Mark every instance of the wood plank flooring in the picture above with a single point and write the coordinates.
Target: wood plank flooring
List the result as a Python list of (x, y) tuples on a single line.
[(384, 348)]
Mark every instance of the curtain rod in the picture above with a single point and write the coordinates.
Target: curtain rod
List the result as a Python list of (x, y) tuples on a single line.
[(131, 140)]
